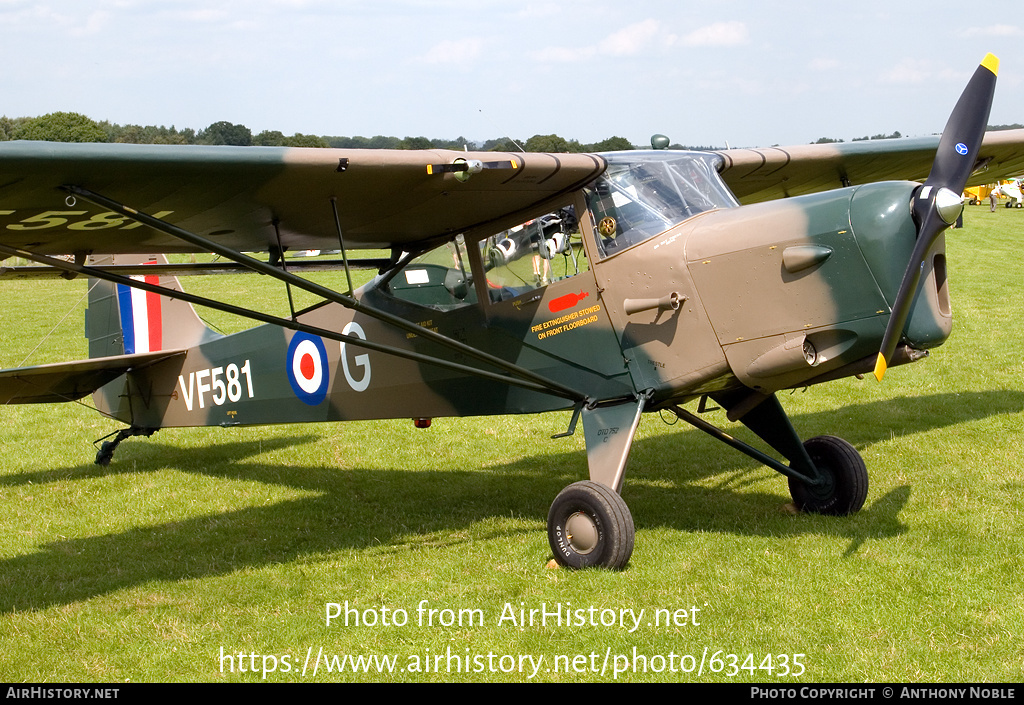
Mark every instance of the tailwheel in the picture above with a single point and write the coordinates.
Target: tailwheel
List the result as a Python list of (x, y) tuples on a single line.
[(589, 525), (845, 486)]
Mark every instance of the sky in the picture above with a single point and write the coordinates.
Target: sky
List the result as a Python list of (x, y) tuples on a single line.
[(711, 74)]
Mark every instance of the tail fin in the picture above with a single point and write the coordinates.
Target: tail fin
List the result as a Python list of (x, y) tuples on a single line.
[(122, 320)]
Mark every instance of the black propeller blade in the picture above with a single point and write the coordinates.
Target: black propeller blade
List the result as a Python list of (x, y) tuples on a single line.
[(938, 203)]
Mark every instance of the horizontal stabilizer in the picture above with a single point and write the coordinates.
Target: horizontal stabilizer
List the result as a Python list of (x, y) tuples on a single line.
[(68, 381)]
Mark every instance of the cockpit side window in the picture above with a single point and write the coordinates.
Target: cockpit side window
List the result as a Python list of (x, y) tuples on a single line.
[(440, 279), (511, 263), (533, 254)]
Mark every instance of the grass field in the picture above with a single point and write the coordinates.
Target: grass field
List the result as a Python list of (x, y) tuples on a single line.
[(198, 545)]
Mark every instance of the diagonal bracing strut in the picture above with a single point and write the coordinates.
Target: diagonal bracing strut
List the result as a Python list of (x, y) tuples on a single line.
[(517, 375), (99, 273)]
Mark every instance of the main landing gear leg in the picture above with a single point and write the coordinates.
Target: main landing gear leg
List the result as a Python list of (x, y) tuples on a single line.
[(826, 474), (589, 524)]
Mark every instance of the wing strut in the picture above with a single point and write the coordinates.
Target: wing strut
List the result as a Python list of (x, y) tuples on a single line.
[(99, 273), (341, 241), (184, 269), (773, 426), (520, 376)]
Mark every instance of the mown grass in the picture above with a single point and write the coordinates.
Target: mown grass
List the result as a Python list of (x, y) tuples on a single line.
[(197, 540)]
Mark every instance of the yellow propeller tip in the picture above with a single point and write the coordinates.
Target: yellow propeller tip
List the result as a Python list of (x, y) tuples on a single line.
[(880, 367), (991, 62)]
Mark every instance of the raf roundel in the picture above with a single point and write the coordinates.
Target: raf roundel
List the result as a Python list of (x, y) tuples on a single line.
[(307, 368)]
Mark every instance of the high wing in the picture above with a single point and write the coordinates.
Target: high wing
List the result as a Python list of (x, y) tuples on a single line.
[(243, 197), (247, 197), (756, 175)]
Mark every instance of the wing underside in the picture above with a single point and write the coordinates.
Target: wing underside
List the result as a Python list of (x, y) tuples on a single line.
[(778, 172), (255, 198)]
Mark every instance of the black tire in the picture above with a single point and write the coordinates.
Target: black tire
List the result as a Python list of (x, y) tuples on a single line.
[(589, 525), (846, 479)]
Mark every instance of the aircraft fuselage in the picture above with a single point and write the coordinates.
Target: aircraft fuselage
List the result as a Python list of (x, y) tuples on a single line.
[(667, 293)]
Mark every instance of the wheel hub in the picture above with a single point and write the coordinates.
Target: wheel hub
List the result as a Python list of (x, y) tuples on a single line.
[(581, 532), (825, 486)]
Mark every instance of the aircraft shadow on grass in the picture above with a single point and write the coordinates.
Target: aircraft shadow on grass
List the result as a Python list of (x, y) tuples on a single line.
[(391, 510)]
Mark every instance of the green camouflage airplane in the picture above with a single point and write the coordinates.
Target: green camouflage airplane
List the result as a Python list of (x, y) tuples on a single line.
[(612, 285)]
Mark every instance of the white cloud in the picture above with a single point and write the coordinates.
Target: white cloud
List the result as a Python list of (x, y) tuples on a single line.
[(719, 34), (204, 15), (823, 64), (454, 51), (632, 40), (636, 38), (909, 71), (95, 23), (998, 30), (538, 12), (564, 55)]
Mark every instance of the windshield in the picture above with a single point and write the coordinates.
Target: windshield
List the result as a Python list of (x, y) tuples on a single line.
[(643, 194)]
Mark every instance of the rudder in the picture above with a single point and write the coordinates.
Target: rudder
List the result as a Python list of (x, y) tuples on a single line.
[(123, 320)]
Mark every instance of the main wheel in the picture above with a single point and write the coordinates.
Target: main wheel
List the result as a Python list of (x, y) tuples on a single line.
[(589, 525), (846, 479)]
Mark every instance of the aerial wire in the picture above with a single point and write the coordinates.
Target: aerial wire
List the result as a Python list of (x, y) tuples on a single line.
[(74, 308), (498, 129)]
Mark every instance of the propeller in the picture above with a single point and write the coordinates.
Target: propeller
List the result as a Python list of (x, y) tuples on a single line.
[(939, 202), (464, 168)]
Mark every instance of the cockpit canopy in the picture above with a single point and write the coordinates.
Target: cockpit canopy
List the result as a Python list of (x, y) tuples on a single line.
[(643, 194)]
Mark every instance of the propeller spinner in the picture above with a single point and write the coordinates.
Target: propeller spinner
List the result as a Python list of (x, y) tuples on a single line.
[(938, 203)]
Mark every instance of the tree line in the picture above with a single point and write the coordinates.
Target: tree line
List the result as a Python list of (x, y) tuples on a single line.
[(897, 135), (831, 140), (75, 127)]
